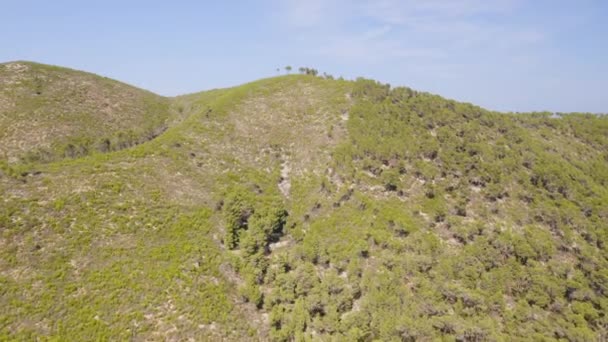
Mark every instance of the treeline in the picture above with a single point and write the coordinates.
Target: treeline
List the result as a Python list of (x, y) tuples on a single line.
[(309, 71), (76, 147)]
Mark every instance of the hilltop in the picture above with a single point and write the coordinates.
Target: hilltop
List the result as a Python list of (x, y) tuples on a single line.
[(49, 113), (303, 208)]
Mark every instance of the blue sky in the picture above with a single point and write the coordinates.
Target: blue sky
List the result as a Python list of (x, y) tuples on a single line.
[(508, 55)]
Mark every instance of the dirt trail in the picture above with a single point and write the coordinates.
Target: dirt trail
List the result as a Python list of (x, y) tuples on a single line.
[(285, 183)]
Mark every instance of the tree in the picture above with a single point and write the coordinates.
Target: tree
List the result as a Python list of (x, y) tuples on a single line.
[(308, 71), (288, 69), (236, 214)]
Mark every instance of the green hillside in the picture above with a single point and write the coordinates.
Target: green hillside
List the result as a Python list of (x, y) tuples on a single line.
[(305, 208), (48, 113)]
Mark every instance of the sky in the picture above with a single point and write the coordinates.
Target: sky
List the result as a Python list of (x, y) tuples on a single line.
[(506, 55)]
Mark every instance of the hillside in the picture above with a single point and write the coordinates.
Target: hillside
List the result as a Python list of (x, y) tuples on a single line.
[(48, 113), (305, 208)]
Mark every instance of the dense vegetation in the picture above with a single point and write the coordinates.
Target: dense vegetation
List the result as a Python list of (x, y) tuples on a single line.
[(452, 222), (304, 208)]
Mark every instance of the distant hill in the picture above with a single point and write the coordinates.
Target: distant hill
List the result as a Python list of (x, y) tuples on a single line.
[(47, 113), (298, 208)]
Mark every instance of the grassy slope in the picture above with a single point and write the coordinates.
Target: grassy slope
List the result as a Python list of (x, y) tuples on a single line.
[(410, 216), (47, 113), (126, 243)]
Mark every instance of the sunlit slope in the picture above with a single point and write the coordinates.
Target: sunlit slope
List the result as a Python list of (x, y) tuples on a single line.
[(129, 243), (303, 208), (48, 113)]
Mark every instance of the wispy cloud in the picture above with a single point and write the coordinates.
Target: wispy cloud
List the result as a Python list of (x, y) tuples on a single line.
[(366, 30), (305, 14), (405, 11), (373, 45)]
